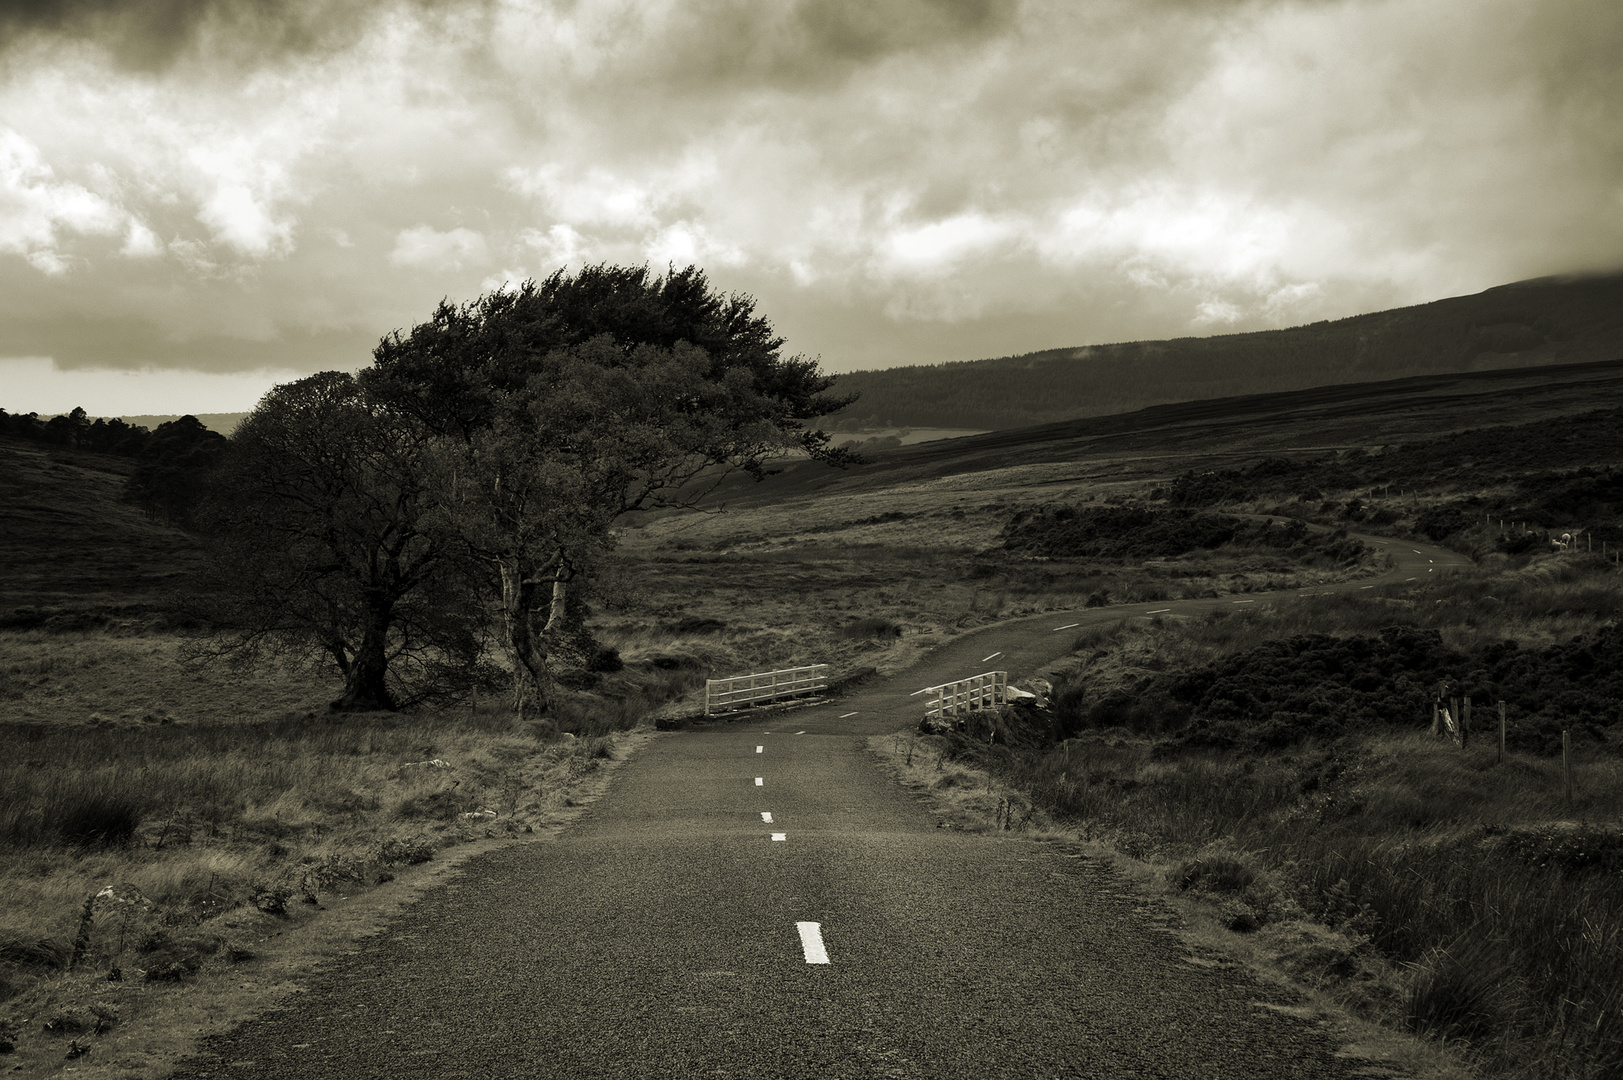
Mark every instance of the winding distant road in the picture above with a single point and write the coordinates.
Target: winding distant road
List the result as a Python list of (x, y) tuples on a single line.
[(756, 899)]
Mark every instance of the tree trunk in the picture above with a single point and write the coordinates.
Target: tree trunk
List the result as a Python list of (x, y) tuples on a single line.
[(529, 656), (366, 686)]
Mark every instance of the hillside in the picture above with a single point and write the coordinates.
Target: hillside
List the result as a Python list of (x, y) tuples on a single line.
[(1164, 440), (74, 551), (1547, 321)]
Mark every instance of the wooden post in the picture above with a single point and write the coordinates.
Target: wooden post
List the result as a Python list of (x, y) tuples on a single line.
[(1459, 722), (1566, 763), (1465, 722), (1501, 731), (1436, 718)]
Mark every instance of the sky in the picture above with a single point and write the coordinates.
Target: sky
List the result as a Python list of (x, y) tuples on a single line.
[(201, 198)]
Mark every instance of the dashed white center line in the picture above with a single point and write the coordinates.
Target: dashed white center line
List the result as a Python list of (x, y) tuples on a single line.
[(1245, 601), (811, 941), (1158, 611), (994, 656), (766, 816), (1408, 579), (780, 836), (1417, 551), (1366, 586), (1067, 626), (842, 717), (760, 781)]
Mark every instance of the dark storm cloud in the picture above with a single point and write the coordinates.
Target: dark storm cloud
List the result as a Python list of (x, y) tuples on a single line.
[(149, 35)]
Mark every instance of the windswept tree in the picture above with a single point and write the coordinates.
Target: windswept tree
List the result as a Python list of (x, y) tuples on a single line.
[(326, 542), (562, 406)]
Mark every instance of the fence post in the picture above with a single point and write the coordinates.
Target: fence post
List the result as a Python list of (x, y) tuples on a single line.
[(1465, 722)]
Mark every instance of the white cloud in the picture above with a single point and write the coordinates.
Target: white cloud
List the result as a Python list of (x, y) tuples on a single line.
[(1213, 311), (423, 247), (237, 205), (690, 243), (597, 197), (932, 249), (504, 280), (559, 246), (140, 242), (34, 206)]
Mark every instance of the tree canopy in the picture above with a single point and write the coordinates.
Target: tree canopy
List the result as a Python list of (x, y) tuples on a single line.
[(492, 448)]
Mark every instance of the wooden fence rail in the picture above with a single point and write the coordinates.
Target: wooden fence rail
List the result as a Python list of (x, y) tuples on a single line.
[(730, 693), (963, 695)]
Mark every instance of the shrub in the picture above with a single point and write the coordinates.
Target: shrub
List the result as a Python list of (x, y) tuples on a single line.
[(870, 630), (412, 851), (1215, 873), (109, 818), (1465, 989)]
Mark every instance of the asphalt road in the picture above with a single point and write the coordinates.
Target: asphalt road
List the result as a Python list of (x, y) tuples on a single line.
[(678, 931)]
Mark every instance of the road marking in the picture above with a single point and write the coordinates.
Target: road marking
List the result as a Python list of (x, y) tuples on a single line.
[(1067, 626), (800, 733), (994, 656), (760, 749), (811, 940), (1366, 586), (760, 781), (1382, 541), (1417, 551), (766, 816), (843, 717), (1158, 611), (1245, 601), (780, 836), (1408, 579)]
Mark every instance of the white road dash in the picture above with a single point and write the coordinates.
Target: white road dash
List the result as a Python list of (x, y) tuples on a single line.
[(1158, 611), (766, 816), (760, 749), (811, 940), (1245, 601), (780, 836), (1408, 579), (800, 733), (1067, 626), (848, 714), (760, 781), (1417, 551), (994, 656), (1366, 586)]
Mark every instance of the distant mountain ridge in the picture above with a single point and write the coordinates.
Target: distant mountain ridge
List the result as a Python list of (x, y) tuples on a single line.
[(1555, 320)]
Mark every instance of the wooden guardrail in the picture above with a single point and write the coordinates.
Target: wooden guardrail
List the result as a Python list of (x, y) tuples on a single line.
[(964, 695), (730, 693)]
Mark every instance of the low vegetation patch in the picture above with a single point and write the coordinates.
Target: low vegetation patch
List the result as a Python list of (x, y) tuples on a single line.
[(1142, 532), (1279, 762)]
